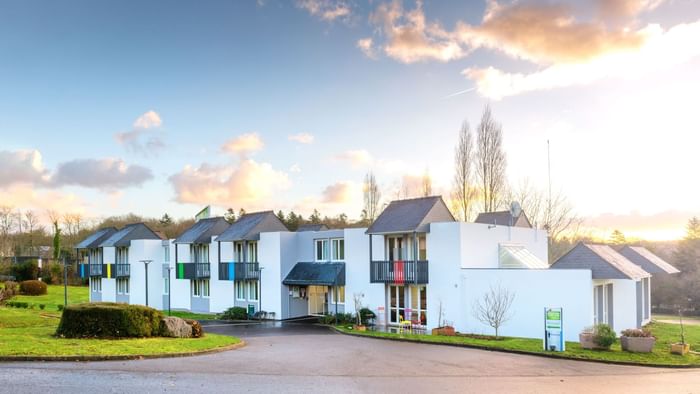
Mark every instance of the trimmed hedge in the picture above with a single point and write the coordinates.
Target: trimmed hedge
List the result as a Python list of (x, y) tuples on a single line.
[(234, 313), (32, 288), (109, 320)]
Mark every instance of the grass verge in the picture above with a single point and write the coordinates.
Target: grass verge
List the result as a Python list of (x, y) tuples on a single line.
[(29, 332), (660, 356)]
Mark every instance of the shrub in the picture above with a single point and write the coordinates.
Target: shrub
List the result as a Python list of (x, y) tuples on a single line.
[(235, 313), (32, 288), (343, 318), (29, 270), (59, 307), (8, 291), (42, 306), (109, 320), (637, 333), (366, 314), (197, 330), (604, 335), (22, 304)]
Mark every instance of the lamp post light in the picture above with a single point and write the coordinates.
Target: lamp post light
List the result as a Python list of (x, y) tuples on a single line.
[(145, 265), (65, 282), (260, 289)]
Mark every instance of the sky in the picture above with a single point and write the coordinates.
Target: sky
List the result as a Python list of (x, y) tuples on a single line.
[(168, 106)]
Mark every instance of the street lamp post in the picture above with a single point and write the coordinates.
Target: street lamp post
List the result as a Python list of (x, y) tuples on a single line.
[(260, 289), (145, 265), (65, 282)]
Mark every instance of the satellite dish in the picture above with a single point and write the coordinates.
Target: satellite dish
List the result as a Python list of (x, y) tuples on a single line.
[(515, 209)]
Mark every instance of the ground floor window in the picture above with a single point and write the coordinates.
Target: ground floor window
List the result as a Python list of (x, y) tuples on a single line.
[(240, 290), (341, 294), (122, 285), (602, 304), (408, 303), (253, 290), (200, 288), (96, 284), (166, 286)]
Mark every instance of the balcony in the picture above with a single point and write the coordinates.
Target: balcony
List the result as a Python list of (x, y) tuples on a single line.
[(239, 271), (192, 271), (399, 272), (95, 269), (122, 270)]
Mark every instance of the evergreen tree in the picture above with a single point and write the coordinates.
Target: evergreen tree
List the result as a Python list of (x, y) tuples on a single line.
[(241, 212), (281, 217), (618, 238), (166, 220), (693, 229), (56, 241), (315, 217), (230, 215)]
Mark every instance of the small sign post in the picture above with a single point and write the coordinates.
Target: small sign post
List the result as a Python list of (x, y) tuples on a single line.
[(554, 330)]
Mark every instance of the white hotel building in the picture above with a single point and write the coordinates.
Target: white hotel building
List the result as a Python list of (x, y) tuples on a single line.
[(412, 262)]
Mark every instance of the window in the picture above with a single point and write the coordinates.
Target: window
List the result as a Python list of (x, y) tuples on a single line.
[(196, 290), (166, 253), (200, 288), (166, 286), (252, 252), (395, 248), (96, 285), (205, 287), (199, 253), (321, 250), (123, 286), (238, 252), (123, 255), (240, 290), (422, 253), (341, 294), (253, 290), (338, 249)]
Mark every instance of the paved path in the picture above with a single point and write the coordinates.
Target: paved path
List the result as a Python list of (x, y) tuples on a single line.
[(303, 358)]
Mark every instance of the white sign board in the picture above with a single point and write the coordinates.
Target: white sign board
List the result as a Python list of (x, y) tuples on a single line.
[(554, 330)]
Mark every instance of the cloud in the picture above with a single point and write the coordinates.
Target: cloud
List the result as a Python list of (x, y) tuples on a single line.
[(302, 138), (663, 225), (148, 120), (341, 192), (661, 49), (410, 39), (625, 8), (143, 139), (295, 168), (23, 166), (243, 144), (356, 158), (327, 10), (367, 47), (106, 174), (340, 197), (362, 159), (248, 184), (28, 197)]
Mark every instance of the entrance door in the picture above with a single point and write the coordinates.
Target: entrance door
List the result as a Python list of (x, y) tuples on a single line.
[(397, 304), (317, 300), (395, 248)]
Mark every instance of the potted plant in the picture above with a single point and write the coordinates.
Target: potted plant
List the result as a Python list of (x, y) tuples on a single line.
[(443, 328), (637, 340), (681, 347), (598, 337), (359, 326)]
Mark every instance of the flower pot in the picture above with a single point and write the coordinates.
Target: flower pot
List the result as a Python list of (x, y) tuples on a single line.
[(446, 330), (680, 348), (586, 341), (359, 327), (637, 344)]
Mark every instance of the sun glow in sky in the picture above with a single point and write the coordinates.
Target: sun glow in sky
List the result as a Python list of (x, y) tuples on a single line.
[(167, 106)]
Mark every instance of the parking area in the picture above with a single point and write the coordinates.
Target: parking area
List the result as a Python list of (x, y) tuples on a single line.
[(302, 357)]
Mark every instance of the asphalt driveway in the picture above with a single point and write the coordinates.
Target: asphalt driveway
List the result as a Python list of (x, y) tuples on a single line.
[(298, 357)]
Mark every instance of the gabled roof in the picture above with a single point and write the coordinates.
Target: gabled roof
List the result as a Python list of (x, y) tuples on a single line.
[(649, 262), (318, 274), (403, 216), (249, 226), (312, 227), (95, 239), (202, 231), (503, 218), (130, 232), (603, 261)]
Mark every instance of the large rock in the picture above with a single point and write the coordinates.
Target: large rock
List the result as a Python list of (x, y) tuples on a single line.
[(175, 327)]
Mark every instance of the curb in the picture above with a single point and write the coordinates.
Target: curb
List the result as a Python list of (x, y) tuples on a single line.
[(234, 346), (492, 349)]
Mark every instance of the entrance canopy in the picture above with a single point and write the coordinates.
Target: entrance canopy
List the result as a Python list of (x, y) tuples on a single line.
[(316, 274)]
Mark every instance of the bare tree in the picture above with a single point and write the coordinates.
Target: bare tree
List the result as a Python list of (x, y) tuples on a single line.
[(32, 224), (7, 225), (357, 298), (73, 223), (493, 308), (426, 184), (463, 192), (372, 195), (490, 160)]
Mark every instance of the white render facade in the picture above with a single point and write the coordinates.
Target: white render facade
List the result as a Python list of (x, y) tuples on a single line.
[(440, 265)]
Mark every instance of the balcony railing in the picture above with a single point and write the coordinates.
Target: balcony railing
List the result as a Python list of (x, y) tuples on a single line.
[(122, 270), (239, 271), (95, 269), (193, 271), (399, 272)]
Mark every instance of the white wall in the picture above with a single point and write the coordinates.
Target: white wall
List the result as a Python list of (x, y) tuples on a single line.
[(270, 249), (179, 288), (534, 290), (220, 291), (150, 249), (624, 304), (357, 270)]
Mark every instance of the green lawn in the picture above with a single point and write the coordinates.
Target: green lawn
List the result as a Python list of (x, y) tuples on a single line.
[(665, 334), (29, 332), (192, 315)]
